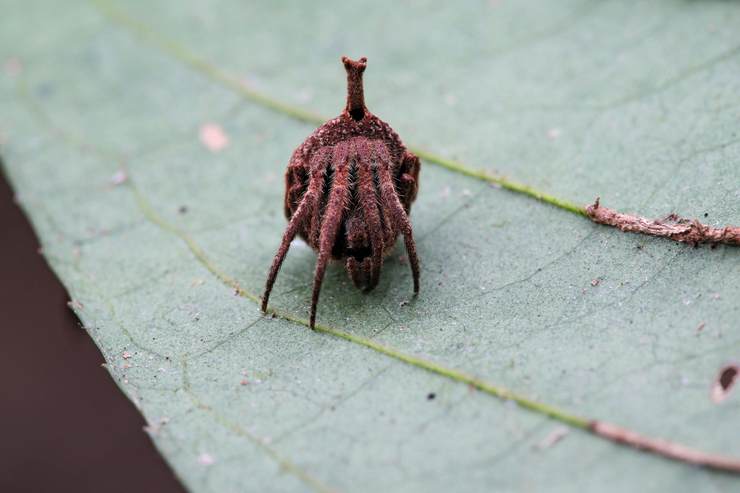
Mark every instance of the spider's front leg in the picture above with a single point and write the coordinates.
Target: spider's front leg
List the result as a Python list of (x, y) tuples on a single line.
[(306, 205), (369, 205), (339, 196), (409, 179), (390, 198), (296, 184)]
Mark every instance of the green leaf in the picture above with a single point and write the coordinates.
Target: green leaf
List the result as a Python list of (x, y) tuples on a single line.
[(156, 236)]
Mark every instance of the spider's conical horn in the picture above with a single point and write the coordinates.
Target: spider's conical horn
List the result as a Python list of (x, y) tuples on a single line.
[(355, 95)]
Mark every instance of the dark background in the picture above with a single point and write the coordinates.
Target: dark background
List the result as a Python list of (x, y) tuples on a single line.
[(64, 425)]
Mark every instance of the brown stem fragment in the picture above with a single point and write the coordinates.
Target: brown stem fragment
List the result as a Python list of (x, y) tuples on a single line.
[(664, 448), (673, 227)]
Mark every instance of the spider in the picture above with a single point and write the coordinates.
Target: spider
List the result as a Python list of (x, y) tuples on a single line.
[(348, 193)]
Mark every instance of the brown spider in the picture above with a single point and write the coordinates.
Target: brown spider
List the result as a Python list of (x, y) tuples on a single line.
[(348, 192)]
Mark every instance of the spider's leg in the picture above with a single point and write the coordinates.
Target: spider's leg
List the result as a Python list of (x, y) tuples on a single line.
[(389, 196), (355, 272), (386, 215), (296, 180), (322, 201), (333, 214), (307, 204), (369, 201), (367, 269), (409, 179)]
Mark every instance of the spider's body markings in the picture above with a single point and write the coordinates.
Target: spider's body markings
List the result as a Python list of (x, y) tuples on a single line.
[(348, 192)]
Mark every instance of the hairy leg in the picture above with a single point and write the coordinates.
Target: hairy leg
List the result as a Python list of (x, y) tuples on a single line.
[(367, 270), (307, 204), (386, 215), (389, 196), (338, 197), (296, 179), (317, 217), (355, 272), (369, 202), (409, 179)]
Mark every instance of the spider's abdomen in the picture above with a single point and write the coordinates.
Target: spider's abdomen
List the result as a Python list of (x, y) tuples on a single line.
[(364, 176)]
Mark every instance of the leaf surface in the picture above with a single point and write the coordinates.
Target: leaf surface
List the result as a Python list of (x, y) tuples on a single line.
[(104, 107)]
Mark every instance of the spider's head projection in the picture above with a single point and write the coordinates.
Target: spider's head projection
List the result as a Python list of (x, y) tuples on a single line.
[(355, 95), (348, 193)]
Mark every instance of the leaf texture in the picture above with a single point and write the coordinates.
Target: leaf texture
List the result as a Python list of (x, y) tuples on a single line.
[(164, 240)]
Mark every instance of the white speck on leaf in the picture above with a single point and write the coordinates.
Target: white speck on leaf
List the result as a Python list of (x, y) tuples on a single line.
[(553, 437), (119, 177), (298, 243), (252, 82), (304, 95), (213, 137), (75, 305), (126, 355), (205, 459), (553, 133), (13, 66)]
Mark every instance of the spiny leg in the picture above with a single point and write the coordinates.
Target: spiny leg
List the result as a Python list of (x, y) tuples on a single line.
[(367, 267), (317, 216), (355, 272), (410, 179), (333, 214), (296, 180), (308, 203), (369, 202), (389, 196), (386, 216), (313, 222)]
